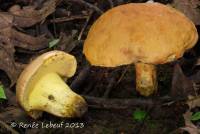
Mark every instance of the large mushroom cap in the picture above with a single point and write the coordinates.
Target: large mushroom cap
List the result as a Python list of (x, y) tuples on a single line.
[(141, 32)]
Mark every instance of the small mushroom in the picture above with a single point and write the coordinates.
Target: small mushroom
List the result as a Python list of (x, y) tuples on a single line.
[(41, 87), (145, 34)]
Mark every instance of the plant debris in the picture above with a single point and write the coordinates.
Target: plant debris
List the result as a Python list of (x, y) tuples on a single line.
[(11, 38), (190, 8), (26, 31)]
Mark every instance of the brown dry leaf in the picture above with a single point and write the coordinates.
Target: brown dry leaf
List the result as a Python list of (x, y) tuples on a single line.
[(11, 38), (13, 114), (6, 20), (193, 102), (28, 16), (185, 88), (189, 126), (7, 63), (67, 43), (197, 62), (24, 41), (190, 8)]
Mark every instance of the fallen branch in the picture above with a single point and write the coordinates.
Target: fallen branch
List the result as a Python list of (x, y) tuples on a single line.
[(80, 78), (104, 103), (70, 18), (109, 87), (3, 124), (85, 25)]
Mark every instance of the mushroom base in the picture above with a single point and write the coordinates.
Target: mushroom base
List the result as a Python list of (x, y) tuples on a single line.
[(52, 94), (146, 82)]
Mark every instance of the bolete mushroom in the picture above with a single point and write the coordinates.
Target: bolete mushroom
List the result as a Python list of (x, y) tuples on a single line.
[(145, 34), (41, 87)]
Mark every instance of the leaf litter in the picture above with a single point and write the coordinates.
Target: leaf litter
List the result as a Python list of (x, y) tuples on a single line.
[(13, 37)]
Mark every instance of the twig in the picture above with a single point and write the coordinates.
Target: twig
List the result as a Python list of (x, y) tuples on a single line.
[(111, 3), (122, 75), (3, 124), (80, 78), (54, 26), (104, 103), (96, 102), (109, 87), (71, 18), (88, 5), (89, 87), (113, 82), (85, 25)]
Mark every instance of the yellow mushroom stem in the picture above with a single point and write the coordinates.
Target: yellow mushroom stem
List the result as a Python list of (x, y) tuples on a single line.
[(53, 95), (146, 82)]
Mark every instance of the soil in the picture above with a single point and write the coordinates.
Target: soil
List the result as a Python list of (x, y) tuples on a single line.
[(120, 81)]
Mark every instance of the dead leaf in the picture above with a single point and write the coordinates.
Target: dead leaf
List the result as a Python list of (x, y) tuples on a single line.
[(189, 126), (29, 15), (7, 63), (24, 41), (185, 88), (6, 20), (190, 8), (193, 102), (67, 43), (11, 38), (197, 62), (13, 114)]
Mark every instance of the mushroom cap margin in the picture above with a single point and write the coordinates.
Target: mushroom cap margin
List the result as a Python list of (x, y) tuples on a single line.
[(43, 64)]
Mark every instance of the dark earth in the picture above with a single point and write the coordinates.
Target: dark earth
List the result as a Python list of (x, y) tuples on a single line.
[(70, 20)]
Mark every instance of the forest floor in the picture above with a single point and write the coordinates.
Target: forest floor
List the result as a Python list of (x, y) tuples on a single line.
[(112, 100)]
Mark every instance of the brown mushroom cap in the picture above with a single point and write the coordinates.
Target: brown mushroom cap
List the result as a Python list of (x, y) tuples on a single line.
[(139, 32)]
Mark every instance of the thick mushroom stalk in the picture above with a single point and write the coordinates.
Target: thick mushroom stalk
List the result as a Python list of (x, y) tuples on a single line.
[(55, 97), (146, 82)]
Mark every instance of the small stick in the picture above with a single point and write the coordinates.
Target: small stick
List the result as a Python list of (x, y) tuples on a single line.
[(89, 87), (97, 102), (3, 124), (109, 87), (104, 103), (54, 26), (85, 25), (113, 82), (122, 75), (80, 78), (111, 3), (88, 5), (64, 19)]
